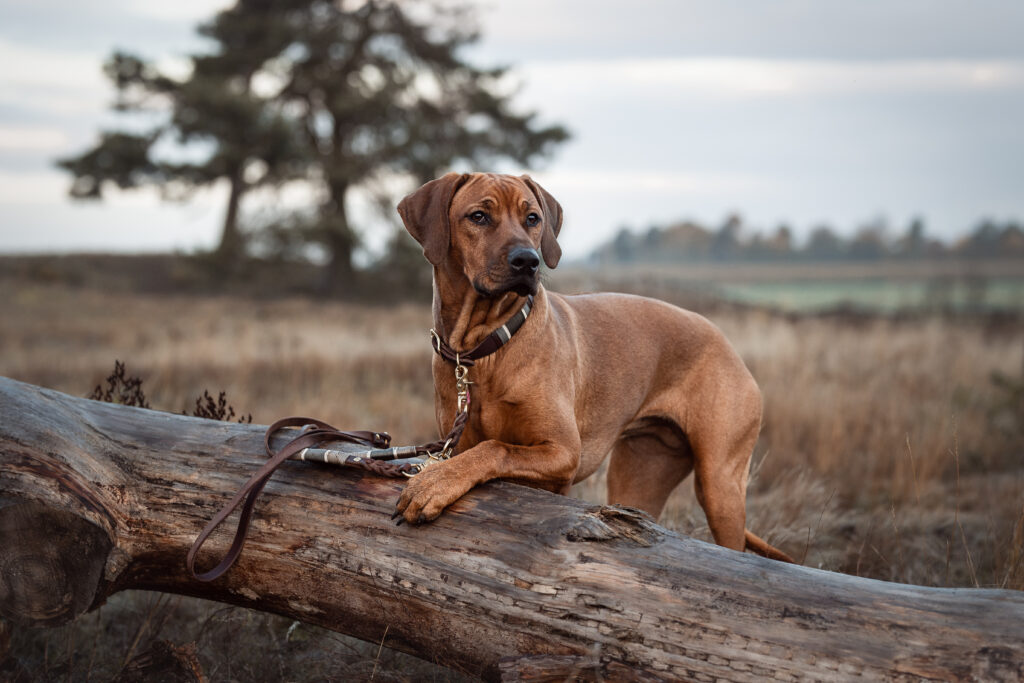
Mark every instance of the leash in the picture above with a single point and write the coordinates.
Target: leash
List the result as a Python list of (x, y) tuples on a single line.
[(381, 459)]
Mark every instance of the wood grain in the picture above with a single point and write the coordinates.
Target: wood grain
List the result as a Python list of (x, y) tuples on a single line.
[(510, 583)]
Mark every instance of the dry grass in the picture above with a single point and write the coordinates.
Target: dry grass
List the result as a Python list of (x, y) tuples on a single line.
[(349, 365), (887, 451)]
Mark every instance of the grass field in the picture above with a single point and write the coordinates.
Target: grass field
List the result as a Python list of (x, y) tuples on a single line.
[(892, 447)]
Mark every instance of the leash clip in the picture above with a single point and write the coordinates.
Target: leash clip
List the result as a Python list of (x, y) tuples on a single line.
[(461, 386), (446, 452)]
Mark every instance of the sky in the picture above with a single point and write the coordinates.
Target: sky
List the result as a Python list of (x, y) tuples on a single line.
[(800, 112)]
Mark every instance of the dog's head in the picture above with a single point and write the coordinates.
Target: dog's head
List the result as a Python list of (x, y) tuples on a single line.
[(492, 228)]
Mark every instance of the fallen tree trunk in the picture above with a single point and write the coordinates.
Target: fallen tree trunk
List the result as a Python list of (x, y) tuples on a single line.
[(510, 582)]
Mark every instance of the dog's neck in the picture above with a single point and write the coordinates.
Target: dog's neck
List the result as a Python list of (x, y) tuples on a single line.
[(462, 316)]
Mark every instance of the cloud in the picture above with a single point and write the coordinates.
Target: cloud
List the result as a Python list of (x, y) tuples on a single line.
[(179, 10), (50, 80), (730, 77), (37, 216), (67, 228), (32, 138), (781, 29), (41, 187), (99, 25), (22, 65), (639, 181)]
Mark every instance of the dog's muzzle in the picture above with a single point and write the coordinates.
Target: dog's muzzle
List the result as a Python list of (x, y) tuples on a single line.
[(520, 274), (523, 263)]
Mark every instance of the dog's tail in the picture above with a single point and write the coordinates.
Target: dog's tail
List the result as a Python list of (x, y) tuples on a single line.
[(759, 546)]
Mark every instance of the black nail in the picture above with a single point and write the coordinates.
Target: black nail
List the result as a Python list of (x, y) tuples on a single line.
[(397, 514), (421, 519), (399, 522)]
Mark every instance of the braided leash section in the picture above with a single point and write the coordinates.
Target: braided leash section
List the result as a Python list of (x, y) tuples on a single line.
[(381, 467), (451, 441)]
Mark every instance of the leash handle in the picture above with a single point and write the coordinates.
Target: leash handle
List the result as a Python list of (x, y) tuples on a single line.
[(250, 491)]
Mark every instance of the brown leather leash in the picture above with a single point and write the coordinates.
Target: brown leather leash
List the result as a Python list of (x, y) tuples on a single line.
[(381, 459)]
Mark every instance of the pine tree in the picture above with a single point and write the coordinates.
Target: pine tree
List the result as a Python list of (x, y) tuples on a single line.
[(213, 112), (382, 91), (353, 95)]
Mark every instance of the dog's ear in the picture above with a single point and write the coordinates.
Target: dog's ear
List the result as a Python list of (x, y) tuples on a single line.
[(425, 214), (552, 222)]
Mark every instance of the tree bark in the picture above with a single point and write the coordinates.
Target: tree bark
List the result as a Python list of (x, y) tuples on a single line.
[(230, 248), (339, 274), (511, 582)]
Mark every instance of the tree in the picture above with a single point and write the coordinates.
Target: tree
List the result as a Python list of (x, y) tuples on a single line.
[(726, 243), (381, 91), (351, 95), (914, 243), (213, 112), (623, 246), (869, 243), (781, 242), (824, 244), (983, 241)]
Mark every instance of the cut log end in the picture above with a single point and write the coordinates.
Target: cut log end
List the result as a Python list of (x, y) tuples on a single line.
[(51, 564)]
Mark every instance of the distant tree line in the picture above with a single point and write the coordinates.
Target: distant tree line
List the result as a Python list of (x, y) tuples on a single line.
[(373, 96), (735, 242)]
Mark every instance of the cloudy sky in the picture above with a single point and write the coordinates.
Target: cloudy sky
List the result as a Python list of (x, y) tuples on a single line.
[(795, 111)]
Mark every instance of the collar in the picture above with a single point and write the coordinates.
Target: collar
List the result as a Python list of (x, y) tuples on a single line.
[(491, 343)]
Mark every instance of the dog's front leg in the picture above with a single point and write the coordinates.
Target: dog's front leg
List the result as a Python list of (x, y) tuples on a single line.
[(549, 465)]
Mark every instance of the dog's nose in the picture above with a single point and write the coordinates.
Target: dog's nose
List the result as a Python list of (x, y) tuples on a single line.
[(523, 260)]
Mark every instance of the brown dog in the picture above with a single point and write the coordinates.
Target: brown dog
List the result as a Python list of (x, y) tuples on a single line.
[(658, 387)]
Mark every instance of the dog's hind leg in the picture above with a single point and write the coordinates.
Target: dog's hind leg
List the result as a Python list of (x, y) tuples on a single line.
[(722, 468), (646, 466), (720, 481)]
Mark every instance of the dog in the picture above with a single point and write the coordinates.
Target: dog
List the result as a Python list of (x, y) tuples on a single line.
[(657, 387)]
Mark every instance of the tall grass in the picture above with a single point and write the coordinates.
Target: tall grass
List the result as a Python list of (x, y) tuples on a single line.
[(888, 450)]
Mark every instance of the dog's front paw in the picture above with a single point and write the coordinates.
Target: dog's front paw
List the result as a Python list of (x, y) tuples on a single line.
[(428, 493)]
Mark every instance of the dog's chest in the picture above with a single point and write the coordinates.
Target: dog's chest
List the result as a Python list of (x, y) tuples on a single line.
[(496, 410)]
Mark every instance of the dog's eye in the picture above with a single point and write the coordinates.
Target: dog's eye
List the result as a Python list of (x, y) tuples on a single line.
[(478, 217), (532, 220)]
